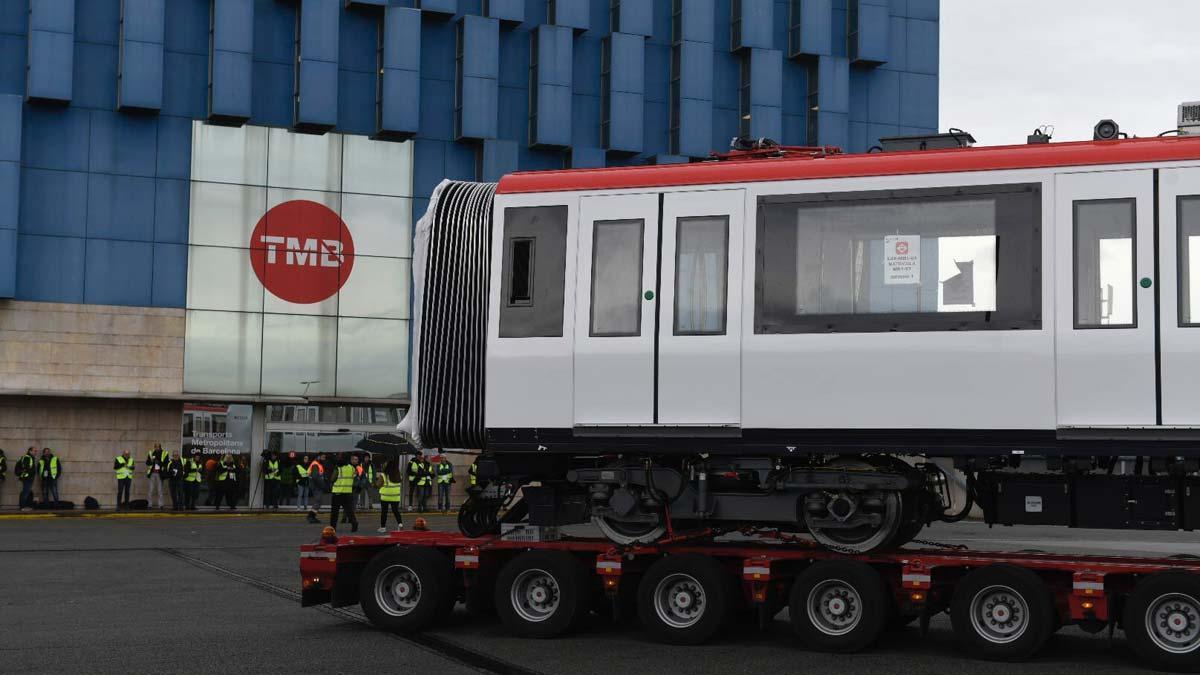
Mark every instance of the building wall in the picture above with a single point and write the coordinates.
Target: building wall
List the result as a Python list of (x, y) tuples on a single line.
[(95, 119), (86, 434), (74, 350)]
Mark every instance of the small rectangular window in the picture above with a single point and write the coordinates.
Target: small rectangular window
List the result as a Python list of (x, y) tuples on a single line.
[(701, 275), (1104, 264), (617, 278), (533, 272), (520, 284), (1188, 213)]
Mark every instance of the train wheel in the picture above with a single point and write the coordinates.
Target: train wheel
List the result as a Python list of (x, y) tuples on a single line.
[(1002, 613), (684, 599), (839, 606), (625, 533), (542, 594), (407, 589), (1162, 620), (888, 505)]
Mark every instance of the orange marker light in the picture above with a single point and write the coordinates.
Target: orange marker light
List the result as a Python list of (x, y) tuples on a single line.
[(917, 597)]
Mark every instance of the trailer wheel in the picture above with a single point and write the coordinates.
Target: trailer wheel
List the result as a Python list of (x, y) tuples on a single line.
[(1162, 620), (839, 606), (407, 589), (684, 599), (1002, 613), (542, 594)]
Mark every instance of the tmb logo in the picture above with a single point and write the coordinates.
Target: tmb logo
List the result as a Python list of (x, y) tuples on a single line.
[(301, 251)]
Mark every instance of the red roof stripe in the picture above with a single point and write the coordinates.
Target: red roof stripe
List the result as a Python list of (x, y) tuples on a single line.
[(995, 158)]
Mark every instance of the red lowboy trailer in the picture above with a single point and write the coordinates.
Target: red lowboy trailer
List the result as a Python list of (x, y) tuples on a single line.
[(1002, 606)]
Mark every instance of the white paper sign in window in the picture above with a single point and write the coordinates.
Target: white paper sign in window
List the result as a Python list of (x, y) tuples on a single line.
[(901, 259)]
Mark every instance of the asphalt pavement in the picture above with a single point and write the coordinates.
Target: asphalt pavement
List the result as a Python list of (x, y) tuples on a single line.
[(204, 593)]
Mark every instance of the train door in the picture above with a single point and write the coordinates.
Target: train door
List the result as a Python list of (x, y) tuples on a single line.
[(614, 310), (1105, 312), (1179, 295), (700, 309), (658, 310)]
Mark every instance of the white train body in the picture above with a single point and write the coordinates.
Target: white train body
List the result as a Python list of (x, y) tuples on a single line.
[(1033, 291)]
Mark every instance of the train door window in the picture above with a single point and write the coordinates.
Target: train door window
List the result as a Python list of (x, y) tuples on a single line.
[(616, 278), (701, 275), (533, 274), (1104, 255), (520, 288), (1188, 214), (963, 258)]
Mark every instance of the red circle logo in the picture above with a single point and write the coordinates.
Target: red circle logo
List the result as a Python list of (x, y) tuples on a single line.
[(902, 247), (301, 251)]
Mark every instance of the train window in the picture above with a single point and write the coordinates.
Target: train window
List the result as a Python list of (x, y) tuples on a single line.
[(1104, 255), (963, 258), (701, 275), (520, 286), (1188, 213), (616, 278), (533, 274)]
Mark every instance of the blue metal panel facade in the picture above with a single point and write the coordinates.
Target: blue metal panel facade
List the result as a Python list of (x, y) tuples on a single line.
[(87, 186)]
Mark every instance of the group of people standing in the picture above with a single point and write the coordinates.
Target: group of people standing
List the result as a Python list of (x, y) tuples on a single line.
[(31, 467), (182, 475), (423, 474)]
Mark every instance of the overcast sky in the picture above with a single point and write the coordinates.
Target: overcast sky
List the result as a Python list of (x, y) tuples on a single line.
[(1008, 66)]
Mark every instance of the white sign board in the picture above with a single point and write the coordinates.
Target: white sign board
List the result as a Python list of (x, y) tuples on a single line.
[(901, 259)]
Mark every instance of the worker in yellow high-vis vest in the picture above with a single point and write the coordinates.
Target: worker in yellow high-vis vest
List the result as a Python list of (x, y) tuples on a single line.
[(389, 494), (343, 491), (123, 467), (444, 475), (193, 474)]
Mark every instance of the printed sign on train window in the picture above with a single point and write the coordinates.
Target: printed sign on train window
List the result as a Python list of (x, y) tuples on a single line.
[(902, 259)]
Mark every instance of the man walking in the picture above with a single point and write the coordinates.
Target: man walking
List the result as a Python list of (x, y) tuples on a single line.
[(123, 467), (49, 468), (343, 493), (156, 464), (414, 475), (445, 476), (175, 473), (270, 481), (26, 472), (193, 473)]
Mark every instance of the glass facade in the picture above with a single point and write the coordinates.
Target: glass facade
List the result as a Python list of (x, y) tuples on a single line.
[(252, 192)]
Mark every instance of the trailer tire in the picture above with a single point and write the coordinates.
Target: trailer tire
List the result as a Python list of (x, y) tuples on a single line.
[(684, 599), (839, 606), (542, 594), (1162, 620), (406, 589), (1002, 613)]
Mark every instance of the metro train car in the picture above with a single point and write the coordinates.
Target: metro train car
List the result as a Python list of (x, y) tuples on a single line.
[(852, 346)]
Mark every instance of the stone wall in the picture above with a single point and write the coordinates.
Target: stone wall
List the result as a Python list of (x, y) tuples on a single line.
[(86, 434), (69, 349)]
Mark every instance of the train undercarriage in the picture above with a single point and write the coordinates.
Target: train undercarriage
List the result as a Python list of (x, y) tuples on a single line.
[(848, 503)]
